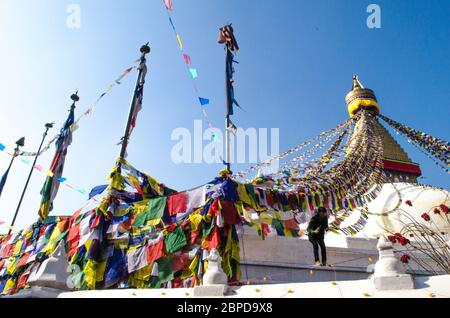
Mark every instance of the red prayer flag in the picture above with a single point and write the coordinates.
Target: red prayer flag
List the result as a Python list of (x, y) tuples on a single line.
[(177, 283), (265, 229), (187, 59), (176, 203), (156, 251), (269, 199), (195, 235), (212, 241), (22, 282), (95, 222), (291, 224), (23, 260), (230, 213), (168, 4), (180, 262)]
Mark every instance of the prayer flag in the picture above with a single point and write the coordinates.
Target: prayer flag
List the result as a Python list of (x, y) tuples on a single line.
[(179, 42), (51, 185), (193, 73), (168, 4), (195, 198), (155, 251), (177, 203), (187, 58), (175, 240), (171, 23), (2, 147), (136, 258), (203, 101), (97, 190), (139, 95), (155, 211)]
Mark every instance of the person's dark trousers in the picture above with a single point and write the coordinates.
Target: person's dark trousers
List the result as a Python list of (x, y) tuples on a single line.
[(316, 242)]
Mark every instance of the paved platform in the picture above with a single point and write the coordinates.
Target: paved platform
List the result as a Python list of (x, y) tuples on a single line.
[(426, 287)]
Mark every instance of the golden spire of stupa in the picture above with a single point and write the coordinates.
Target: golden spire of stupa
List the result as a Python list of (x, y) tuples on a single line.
[(398, 166), (360, 97)]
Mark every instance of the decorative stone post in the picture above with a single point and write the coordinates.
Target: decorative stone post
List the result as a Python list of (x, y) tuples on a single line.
[(215, 281), (389, 272), (52, 276)]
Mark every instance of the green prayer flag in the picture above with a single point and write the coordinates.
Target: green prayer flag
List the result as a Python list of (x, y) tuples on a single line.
[(207, 228), (175, 240), (165, 272), (155, 211)]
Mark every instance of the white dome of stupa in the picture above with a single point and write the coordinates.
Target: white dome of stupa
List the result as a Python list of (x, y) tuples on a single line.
[(390, 209)]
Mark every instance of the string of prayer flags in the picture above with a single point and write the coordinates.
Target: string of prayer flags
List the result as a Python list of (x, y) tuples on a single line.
[(193, 73), (437, 147), (46, 172), (293, 150), (87, 112)]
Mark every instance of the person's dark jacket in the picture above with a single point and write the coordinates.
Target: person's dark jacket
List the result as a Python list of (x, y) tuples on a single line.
[(316, 222)]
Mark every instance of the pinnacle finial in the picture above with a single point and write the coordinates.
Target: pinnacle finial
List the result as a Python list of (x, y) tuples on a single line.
[(360, 97), (145, 49), (75, 97), (356, 83), (20, 142)]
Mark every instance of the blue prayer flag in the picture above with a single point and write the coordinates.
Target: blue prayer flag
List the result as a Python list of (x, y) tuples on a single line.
[(203, 101)]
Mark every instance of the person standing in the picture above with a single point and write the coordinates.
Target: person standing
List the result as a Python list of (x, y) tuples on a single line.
[(317, 227)]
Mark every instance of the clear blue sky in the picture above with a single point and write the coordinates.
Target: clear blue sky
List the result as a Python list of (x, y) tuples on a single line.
[(296, 62)]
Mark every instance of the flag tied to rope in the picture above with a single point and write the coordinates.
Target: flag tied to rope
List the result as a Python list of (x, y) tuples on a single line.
[(51, 185)]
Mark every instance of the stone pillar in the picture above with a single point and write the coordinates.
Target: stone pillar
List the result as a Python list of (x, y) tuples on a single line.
[(389, 272), (215, 281), (52, 276)]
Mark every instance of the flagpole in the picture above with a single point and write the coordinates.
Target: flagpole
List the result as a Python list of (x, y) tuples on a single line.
[(145, 49), (229, 104), (19, 143), (227, 38), (47, 127)]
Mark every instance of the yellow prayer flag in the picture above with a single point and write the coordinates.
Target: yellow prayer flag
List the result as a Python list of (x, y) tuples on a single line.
[(179, 42), (10, 284), (90, 273), (195, 219), (153, 222)]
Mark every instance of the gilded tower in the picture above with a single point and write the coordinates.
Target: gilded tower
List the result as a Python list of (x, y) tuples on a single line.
[(398, 167)]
